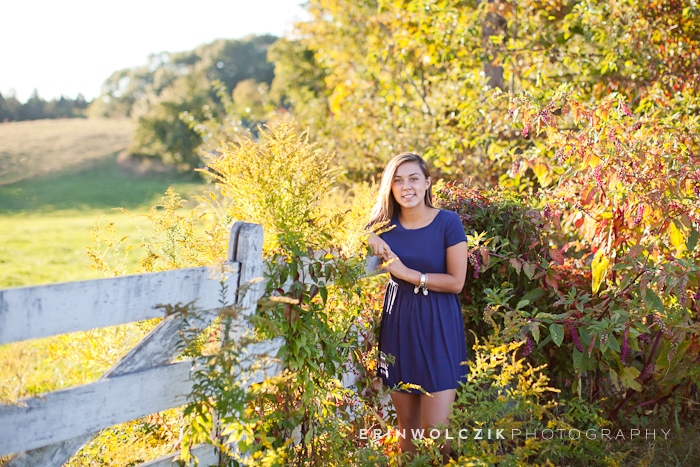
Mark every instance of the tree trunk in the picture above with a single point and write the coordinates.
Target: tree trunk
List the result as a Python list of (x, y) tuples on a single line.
[(493, 24)]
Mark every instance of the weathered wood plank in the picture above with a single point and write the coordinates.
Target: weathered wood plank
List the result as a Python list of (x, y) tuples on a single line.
[(64, 415), (245, 248), (205, 453), (248, 253), (158, 347), (47, 310), (54, 455), (61, 415)]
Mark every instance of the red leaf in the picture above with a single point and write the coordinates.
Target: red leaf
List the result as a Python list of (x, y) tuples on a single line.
[(551, 282), (556, 255), (313, 291), (557, 222)]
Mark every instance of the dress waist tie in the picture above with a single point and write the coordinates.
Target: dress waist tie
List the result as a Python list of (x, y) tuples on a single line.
[(392, 289)]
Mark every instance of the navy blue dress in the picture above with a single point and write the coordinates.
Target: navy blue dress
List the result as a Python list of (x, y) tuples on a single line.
[(423, 333)]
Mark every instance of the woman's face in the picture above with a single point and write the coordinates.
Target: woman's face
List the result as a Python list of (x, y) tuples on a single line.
[(409, 185)]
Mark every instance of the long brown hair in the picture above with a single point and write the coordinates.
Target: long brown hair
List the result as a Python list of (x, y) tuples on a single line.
[(386, 204)]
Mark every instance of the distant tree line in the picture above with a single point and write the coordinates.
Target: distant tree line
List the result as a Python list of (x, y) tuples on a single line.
[(11, 109), (174, 93)]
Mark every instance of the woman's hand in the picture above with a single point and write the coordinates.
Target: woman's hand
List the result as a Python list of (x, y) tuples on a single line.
[(391, 262), (394, 265), (380, 247)]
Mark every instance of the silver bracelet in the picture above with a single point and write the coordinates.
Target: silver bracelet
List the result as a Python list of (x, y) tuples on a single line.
[(422, 285)]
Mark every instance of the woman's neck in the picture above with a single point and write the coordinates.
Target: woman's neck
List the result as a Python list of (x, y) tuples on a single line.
[(417, 217)]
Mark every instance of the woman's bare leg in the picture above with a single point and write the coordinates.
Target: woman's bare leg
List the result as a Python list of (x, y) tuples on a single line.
[(435, 410), (408, 411)]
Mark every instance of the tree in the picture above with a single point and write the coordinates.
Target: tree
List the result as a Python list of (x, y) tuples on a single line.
[(414, 74), (156, 96), (161, 132), (9, 108), (34, 108)]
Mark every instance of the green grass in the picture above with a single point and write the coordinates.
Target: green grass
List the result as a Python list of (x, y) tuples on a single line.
[(45, 221), (102, 185)]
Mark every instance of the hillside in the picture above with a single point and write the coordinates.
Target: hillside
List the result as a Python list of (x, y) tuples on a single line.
[(34, 148)]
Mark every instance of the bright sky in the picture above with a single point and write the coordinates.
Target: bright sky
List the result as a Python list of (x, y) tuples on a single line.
[(71, 46)]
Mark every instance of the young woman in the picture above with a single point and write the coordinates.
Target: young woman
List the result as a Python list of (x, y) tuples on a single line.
[(422, 329)]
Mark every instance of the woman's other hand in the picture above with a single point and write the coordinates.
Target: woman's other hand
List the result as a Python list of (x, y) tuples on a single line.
[(394, 265), (380, 248)]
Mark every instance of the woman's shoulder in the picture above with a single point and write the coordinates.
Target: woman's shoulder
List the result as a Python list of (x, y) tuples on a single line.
[(449, 216), (454, 228)]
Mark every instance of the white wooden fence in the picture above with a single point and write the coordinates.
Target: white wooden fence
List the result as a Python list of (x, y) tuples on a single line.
[(49, 429)]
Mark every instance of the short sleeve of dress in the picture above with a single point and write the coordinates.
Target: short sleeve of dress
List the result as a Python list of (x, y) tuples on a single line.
[(454, 230)]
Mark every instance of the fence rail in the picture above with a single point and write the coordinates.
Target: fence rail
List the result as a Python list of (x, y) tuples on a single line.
[(48, 310)]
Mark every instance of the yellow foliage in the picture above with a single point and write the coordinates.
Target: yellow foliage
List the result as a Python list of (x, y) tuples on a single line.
[(277, 183), (177, 239)]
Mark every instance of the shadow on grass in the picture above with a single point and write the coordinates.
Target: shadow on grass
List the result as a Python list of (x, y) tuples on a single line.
[(101, 185)]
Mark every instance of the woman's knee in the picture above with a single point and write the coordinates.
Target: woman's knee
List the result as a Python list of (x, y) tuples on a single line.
[(408, 410), (436, 409)]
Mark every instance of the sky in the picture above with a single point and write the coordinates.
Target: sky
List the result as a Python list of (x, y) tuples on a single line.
[(71, 46)]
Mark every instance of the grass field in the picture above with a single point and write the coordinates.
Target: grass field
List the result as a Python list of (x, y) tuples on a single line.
[(46, 214), (45, 223)]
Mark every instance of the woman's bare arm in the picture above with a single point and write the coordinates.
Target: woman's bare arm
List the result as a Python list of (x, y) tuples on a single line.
[(451, 282)]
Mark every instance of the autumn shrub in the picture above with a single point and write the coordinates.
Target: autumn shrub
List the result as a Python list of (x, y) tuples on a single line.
[(610, 253), (502, 416), (507, 239)]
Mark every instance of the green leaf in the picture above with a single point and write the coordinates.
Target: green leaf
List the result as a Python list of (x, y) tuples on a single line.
[(653, 301), (535, 330), (628, 378), (522, 303), (599, 268), (630, 372), (630, 383), (692, 240), (529, 269), (533, 295), (557, 333), (613, 343), (578, 356)]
